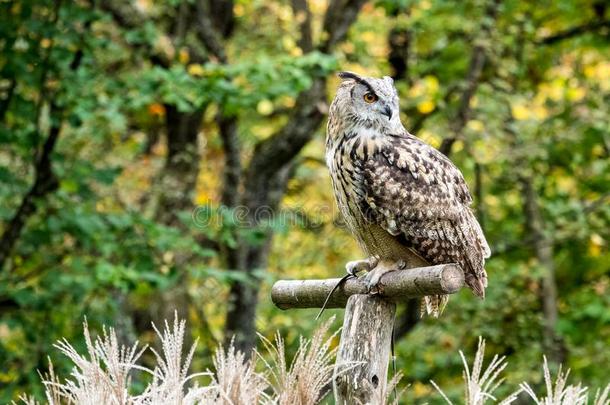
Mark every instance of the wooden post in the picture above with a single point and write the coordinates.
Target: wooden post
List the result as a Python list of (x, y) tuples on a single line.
[(362, 361), (361, 368)]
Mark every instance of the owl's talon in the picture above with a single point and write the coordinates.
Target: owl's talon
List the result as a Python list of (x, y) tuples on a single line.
[(356, 266), (371, 280)]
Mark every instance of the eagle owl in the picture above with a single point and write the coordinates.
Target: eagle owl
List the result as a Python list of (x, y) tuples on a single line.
[(400, 197)]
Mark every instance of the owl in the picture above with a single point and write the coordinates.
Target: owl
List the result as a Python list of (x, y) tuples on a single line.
[(401, 198)]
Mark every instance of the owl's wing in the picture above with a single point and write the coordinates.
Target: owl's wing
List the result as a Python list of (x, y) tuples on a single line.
[(418, 195)]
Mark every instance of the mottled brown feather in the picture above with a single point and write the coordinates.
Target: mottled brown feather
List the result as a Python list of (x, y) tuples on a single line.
[(397, 194)]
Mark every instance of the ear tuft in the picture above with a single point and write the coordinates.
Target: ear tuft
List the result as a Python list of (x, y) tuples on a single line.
[(349, 75)]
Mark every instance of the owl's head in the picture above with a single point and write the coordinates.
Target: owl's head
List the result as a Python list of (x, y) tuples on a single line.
[(367, 101)]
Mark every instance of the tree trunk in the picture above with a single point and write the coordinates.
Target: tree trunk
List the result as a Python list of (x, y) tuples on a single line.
[(243, 297), (270, 169), (177, 182), (543, 246)]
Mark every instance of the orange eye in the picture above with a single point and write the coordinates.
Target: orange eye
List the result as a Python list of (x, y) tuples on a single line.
[(370, 97)]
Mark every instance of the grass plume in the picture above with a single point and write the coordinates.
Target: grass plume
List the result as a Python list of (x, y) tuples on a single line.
[(305, 381), (562, 393), (479, 383), (103, 375)]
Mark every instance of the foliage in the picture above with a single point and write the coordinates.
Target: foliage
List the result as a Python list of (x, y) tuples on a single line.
[(95, 243)]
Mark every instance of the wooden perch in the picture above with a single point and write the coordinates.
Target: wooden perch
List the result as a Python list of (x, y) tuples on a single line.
[(361, 367), (396, 286)]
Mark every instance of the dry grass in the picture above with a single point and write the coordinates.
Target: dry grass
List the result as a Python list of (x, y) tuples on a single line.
[(479, 384), (305, 381), (103, 375), (235, 381), (562, 393)]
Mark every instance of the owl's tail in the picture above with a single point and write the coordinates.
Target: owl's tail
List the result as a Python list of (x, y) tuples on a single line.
[(433, 305)]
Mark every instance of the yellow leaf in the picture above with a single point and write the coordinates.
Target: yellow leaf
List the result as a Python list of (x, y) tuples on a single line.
[(431, 83), (202, 198), (598, 150), (420, 389), (288, 43), (238, 10), (590, 71), (195, 69), (287, 101), (566, 184), (426, 106), (368, 36), (540, 112), (475, 125), (576, 94), (416, 90), (183, 56), (284, 13), (597, 239), (520, 112), (264, 107), (485, 152), (491, 201), (556, 89), (596, 242), (348, 47), (430, 137), (474, 102), (262, 131)]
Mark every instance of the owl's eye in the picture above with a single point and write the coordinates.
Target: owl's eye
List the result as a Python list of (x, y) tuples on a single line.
[(370, 97)]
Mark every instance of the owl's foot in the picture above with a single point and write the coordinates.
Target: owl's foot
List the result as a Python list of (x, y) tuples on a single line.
[(357, 266), (384, 266), (353, 268)]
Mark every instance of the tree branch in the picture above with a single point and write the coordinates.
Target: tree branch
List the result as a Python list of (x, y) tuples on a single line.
[(338, 19), (592, 26), (276, 151), (477, 62), (123, 13), (206, 33), (395, 286), (44, 183), (271, 154), (227, 126), (302, 12), (399, 41), (45, 180)]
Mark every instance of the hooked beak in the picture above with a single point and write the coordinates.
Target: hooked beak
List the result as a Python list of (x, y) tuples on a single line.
[(387, 111)]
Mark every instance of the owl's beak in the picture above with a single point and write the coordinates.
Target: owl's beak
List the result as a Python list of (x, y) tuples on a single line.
[(387, 111)]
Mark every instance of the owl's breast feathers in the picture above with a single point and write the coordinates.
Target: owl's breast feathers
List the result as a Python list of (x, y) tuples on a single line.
[(415, 194)]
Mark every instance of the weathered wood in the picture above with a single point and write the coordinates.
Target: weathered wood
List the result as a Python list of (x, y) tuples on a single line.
[(361, 367), (396, 286)]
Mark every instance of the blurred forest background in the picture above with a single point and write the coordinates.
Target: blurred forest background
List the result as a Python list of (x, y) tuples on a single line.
[(170, 154)]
